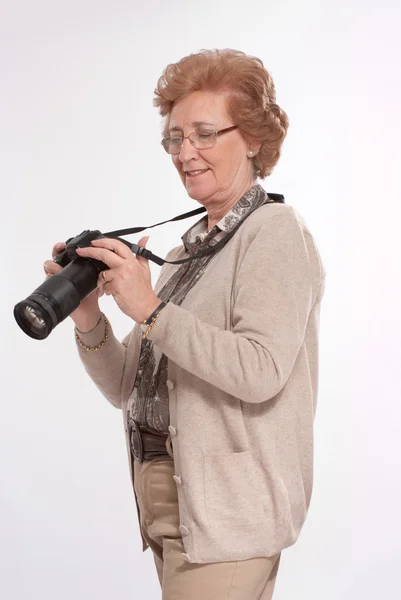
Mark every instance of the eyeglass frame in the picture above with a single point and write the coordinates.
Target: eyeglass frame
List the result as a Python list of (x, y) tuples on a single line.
[(215, 133)]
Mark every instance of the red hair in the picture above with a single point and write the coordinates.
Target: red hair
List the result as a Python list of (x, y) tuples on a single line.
[(251, 100)]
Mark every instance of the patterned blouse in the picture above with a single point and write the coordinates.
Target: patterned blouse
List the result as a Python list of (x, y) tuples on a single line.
[(149, 400)]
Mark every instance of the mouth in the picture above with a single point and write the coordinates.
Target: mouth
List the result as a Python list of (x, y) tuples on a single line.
[(193, 174)]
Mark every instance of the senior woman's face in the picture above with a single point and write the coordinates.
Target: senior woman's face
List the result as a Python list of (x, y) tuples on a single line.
[(226, 171)]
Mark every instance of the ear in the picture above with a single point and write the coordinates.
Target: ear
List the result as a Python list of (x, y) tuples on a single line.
[(254, 146)]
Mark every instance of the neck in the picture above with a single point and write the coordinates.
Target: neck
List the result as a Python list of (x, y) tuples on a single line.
[(216, 211)]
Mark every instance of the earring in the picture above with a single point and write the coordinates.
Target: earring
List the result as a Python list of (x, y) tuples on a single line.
[(250, 154)]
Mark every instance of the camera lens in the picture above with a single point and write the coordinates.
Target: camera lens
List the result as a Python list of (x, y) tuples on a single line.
[(32, 320), (57, 297), (36, 321)]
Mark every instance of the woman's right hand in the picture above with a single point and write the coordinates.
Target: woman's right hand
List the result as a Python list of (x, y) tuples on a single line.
[(88, 312)]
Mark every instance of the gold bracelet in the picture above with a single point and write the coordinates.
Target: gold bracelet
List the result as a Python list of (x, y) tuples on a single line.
[(102, 343), (146, 333)]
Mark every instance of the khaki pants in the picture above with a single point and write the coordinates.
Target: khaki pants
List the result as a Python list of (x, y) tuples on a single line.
[(156, 492)]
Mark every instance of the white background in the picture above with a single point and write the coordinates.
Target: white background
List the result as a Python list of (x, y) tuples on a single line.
[(80, 149)]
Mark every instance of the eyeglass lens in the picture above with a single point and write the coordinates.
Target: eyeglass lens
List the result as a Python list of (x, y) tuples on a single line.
[(198, 139)]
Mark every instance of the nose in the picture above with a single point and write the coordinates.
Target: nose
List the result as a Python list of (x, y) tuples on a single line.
[(188, 151)]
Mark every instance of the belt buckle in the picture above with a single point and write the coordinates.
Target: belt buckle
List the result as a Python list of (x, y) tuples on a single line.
[(136, 441)]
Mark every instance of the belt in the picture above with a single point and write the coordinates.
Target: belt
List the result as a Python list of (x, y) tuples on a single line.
[(148, 444)]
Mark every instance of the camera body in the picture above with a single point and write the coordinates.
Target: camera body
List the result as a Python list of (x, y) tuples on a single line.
[(83, 240)]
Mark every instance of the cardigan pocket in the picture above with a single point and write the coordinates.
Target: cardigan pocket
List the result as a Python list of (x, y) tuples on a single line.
[(231, 488)]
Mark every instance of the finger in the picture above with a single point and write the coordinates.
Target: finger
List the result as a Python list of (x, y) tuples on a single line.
[(114, 246), (109, 258), (107, 289), (57, 248), (106, 277), (51, 268), (100, 283), (47, 273), (142, 242), (98, 291), (104, 284)]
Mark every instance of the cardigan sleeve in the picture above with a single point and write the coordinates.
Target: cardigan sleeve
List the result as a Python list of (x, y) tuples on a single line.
[(273, 294), (106, 366)]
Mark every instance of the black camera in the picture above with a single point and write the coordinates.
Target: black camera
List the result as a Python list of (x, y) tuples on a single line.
[(59, 295)]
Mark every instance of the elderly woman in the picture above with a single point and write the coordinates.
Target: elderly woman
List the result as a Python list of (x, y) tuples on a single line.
[(217, 381)]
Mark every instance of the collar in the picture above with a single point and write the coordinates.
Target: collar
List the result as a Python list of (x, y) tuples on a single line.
[(196, 237)]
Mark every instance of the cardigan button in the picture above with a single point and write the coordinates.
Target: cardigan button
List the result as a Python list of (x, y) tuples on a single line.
[(177, 479), (172, 430), (183, 530), (186, 557), (170, 384)]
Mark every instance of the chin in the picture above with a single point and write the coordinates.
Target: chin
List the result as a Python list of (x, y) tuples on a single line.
[(194, 194), (200, 194)]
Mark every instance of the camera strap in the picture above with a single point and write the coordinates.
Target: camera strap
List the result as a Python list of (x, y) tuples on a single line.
[(141, 251)]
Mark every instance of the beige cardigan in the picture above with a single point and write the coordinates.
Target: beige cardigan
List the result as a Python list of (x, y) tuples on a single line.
[(243, 384)]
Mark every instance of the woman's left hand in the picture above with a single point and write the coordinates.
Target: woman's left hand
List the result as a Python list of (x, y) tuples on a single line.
[(128, 278)]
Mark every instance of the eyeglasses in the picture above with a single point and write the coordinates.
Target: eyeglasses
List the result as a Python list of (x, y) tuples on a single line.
[(199, 139)]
